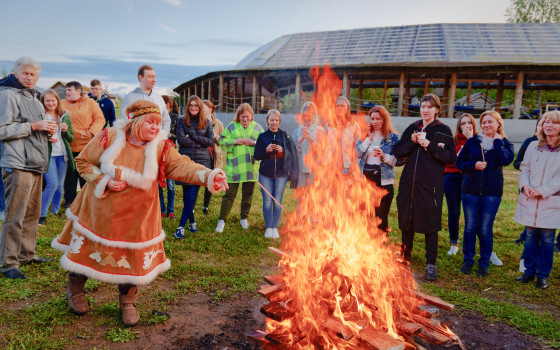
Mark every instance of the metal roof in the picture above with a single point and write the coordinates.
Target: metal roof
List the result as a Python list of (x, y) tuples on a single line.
[(426, 44)]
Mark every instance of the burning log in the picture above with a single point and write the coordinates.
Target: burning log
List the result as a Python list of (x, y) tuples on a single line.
[(434, 301), (408, 328), (339, 328), (377, 340), (272, 280), (278, 311)]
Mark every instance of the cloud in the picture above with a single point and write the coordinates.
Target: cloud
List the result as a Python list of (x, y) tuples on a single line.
[(169, 29), (173, 2)]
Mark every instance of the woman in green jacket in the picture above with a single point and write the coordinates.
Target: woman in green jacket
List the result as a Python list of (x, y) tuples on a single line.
[(238, 140), (60, 155)]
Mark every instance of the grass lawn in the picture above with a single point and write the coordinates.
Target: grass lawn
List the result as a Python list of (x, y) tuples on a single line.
[(35, 314)]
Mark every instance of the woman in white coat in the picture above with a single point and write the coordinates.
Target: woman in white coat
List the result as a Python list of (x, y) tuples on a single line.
[(539, 200)]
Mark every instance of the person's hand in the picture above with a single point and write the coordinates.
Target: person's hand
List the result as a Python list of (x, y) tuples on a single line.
[(467, 131), (270, 148), (498, 136), (220, 182), (528, 191), (378, 152), (424, 142), (45, 125), (116, 186), (63, 127), (414, 137), (278, 148), (53, 140), (239, 142), (480, 165)]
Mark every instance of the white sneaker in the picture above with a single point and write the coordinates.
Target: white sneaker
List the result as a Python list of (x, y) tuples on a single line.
[(522, 265), (220, 226), (495, 260), (275, 233), (268, 233), (244, 224), (1, 216), (453, 250)]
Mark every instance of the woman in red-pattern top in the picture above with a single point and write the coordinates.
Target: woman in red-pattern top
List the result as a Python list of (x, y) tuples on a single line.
[(466, 128)]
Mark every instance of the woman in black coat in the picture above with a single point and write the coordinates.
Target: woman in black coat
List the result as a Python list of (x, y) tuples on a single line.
[(427, 146), (194, 136)]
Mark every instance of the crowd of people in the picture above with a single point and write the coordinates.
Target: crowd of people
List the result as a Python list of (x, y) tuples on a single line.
[(113, 231)]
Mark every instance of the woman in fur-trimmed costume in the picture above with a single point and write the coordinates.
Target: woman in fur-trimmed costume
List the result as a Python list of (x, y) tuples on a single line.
[(114, 233)]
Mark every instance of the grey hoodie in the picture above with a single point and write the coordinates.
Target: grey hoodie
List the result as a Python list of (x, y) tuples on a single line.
[(20, 146), (139, 94)]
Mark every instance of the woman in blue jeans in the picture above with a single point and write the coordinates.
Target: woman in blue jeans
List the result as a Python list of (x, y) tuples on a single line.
[(453, 179), (539, 200), (59, 153), (279, 163), (194, 136), (481, 160)]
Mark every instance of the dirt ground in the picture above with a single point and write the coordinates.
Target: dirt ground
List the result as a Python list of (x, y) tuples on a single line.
[(198, 323)]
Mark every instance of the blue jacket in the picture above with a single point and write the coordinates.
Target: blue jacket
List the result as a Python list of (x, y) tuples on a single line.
[(387, 167), (490, 181), (275, 165), (107, 107)]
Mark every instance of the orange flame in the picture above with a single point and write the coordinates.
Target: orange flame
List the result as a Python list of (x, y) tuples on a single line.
[(341, 266)]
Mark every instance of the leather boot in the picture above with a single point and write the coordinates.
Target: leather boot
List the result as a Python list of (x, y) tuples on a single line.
[(130, 315), (75, 294)]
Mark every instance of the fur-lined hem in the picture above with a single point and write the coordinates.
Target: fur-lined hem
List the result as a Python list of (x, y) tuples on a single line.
[(56, 245), (108, 243), (211, 176), (100, 191), (73, 266)]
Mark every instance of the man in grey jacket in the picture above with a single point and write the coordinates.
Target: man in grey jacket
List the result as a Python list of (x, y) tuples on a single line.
[(23, 159), (147, 79)]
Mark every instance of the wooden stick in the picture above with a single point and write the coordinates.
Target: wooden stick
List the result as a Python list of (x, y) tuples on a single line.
[(274, 199), (268, 291), (279, 252), (482, 149), (434, 300)]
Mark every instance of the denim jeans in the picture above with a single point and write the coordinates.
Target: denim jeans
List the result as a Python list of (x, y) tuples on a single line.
[(2, 195), (170, 197), (54, 178), (271, 210), (480, 212), (539, 251), (190, 193), (452, 189)]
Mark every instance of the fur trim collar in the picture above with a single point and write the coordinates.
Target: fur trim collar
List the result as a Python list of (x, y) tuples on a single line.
[(142, 180)]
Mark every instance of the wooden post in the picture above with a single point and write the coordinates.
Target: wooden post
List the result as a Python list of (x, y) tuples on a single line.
[(209, 97), (518, 95), (243, 90), (221, 94), (486, 95), (452, 91), (401, 94), (427, 87), (345, 90), (360, 88), (406, 97), (202, 92), (445, 99), (500, 94), (297, 96), (196, 89), (189, 90), (235, 103), (385, 85), (254, 100), (469, 88)]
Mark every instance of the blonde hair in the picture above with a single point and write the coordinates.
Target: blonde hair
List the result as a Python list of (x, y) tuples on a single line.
[(244, 107), (273, 112), (553, 116), (58, 110), (133, 125), (498, 118), (387, 126), (315, 115)]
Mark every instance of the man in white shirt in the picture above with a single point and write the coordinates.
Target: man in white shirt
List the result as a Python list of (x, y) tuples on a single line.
[(147, 79)]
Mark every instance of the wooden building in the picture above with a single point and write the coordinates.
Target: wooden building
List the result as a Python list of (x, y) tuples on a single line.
[(444, 57)]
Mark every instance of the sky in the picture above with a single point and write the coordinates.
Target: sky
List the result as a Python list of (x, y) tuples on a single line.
[(182, 39)]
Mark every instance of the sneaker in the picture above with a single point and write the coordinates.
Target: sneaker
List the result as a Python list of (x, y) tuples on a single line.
[(453, 250), (171, 216), (162, 215), (525, 278), (205, 210), (466, 268), (482, 271), (244, 224), (431, 272), (495, 260), (268, 233), (542, 283), (522, 265), (192, 227), (42, 220), (275, 233), (179, 232), (519, 241), (220, 226)]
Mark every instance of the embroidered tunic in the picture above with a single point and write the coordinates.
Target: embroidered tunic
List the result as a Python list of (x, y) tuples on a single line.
[(117, 237)]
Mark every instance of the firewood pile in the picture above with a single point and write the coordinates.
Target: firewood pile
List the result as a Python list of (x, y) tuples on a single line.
[(421, 325)]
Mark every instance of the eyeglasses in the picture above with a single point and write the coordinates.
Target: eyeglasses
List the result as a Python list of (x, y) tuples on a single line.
[(193, 106)]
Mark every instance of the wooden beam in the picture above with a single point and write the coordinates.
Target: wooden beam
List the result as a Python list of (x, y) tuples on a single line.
[(469, 88), (339, 328), (500, 94), (345, 88), (443, 113), (378, 340), (401, 94), (427, 86), (202, 90), (209, 96), (275, 279), (267, 291), (385, 93), (452, 92), (221, 94), (254, 90), (360, 90), (518, 96), (406, 97), (297, 104)]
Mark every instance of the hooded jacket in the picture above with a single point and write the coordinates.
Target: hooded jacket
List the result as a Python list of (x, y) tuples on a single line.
[(107, 107), (87, 120), (21, 147)]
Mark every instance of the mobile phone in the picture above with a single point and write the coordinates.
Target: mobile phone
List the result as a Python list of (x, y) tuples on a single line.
[(275, 142)]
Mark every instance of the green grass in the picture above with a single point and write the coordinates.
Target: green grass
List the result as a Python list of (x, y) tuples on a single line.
[(35, 315)]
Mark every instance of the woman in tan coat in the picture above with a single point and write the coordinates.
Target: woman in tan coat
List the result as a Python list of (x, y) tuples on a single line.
[(217, 156), (114, 233)]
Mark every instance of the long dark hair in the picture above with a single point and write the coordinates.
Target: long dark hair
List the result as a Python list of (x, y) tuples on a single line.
[(202, 120)]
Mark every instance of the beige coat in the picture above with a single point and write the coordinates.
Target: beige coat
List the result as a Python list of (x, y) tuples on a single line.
[(220, 156)]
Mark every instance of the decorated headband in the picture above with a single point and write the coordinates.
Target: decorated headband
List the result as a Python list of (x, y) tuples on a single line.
[(142, 111)]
